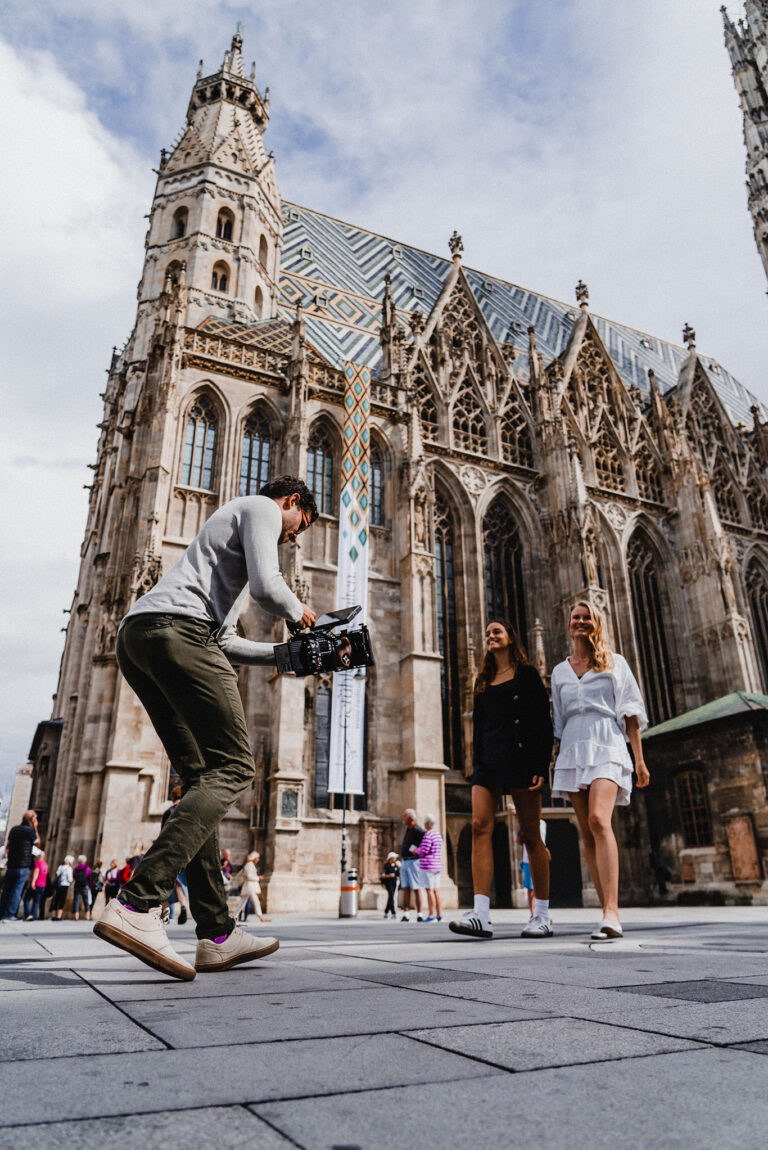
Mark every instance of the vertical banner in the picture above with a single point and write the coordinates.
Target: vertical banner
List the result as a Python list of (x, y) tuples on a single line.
[(345, 767)]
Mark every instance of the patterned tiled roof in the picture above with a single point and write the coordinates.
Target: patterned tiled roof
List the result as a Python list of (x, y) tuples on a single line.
[(338, 269)]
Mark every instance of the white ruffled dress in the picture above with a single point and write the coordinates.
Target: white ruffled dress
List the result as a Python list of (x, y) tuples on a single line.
[(590, 716)]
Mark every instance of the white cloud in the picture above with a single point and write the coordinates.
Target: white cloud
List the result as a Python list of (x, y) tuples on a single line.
[(572, 138)]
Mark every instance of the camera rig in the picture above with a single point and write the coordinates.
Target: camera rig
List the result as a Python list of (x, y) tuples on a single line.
[(324, 647)]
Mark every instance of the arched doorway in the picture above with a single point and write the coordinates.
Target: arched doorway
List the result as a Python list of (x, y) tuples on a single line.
[(501, 888), (565, 866)]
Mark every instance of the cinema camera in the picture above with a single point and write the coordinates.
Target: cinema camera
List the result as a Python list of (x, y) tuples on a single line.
[(324, 647)]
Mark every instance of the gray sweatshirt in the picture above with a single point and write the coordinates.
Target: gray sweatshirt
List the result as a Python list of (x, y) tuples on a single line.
[(234, 554)]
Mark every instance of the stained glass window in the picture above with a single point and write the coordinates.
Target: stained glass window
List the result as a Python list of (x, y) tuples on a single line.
[(447, 635), (320, 470), (648, 616), (757, 593), (199, 443), (254, 462), (504, 596), (377, 509)]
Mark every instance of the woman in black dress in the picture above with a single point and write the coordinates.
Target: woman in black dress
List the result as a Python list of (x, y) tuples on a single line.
[(512, 750)]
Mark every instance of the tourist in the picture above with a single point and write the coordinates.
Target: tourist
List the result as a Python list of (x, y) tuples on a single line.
[(96, 882), (390, 873), (18, 847), (512, 750), (250, 889), (167, 651), (430, 857), (410, 872), (597, 705), (35, 892), (112, 881), (81, 876), (64, 876)]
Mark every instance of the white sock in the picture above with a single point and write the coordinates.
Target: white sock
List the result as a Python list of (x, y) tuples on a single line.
[(483, 905), (541, 907)]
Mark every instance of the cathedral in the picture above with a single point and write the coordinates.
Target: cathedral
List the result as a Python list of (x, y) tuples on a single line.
[(523, 452)]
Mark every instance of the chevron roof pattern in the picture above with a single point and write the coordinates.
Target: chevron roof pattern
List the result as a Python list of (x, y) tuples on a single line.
[(338, 269)]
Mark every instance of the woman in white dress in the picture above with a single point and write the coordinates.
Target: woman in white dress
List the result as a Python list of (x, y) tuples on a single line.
[(597, 706), (250, 888)]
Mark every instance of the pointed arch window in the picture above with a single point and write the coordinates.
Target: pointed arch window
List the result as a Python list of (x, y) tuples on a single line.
[(425, 403), (225, 222), (469, 430), (516, 439), (263, 251), (608, 469), (757, 594), (375, 488), (648, 615), (502, 550), (220, 277), (320, 469), (180, 218), (447, 635), (254, 461), (322, 742), (725, 495), (258, 303), (647, 475), (173, 271), (758, 504), (199, 444)]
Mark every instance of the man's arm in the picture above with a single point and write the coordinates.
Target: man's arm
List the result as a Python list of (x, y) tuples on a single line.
[(243, 652), (260, 527)]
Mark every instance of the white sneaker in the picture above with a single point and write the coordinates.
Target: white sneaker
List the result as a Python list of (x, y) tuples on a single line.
[(239, 947), (142, 935), (472, 923), (607, 930), (405, 918), (538, 928)]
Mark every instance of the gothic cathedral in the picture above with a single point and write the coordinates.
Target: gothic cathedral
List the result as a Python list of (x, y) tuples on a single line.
[(523, 452)]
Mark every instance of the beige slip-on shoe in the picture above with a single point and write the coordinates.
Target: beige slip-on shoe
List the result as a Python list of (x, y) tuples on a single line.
[(239, 947), (142, 935)]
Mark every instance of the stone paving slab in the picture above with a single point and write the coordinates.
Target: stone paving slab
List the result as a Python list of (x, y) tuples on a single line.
[(220, 1076), (234, 1127), (264, 1018), (664, 1103), (63, 1022), (549, 1042)]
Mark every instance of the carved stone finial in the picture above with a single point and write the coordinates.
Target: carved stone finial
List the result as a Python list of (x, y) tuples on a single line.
[(237, 39), (582, 295), (689, 337), (456, 244), (417, 322), (652, 380), (200, 70)]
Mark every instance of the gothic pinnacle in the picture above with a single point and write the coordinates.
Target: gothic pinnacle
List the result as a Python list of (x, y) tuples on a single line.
[(456, 244), (582, 295), (689, 337)]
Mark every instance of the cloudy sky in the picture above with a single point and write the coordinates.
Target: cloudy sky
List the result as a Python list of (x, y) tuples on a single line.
[(565, 139)]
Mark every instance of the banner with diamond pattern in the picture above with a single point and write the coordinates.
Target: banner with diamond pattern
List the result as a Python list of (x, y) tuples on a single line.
[(348, 699)]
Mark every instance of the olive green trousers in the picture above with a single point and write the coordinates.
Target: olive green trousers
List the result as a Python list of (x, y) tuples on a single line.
[(189, 691)]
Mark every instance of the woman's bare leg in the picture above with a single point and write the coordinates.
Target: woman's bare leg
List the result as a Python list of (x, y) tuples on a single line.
[(602, 800), (528, 808), (484, 804), (580, 803)]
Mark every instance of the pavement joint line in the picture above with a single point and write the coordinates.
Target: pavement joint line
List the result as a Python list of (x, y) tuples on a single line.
[(553, 1066), (254, 993), (260, 1118), (132, 1113), (120, 1010)]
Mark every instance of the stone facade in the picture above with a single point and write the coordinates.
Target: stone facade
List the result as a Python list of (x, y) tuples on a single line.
[(524, 452), (747, 45)]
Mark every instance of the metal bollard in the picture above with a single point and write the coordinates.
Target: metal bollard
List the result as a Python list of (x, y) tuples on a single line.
[(349, 894)]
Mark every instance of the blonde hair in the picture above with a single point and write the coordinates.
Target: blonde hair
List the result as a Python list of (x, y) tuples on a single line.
[(600, 657)]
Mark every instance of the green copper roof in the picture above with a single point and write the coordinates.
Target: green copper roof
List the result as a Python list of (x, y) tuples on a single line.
[(737, 703)]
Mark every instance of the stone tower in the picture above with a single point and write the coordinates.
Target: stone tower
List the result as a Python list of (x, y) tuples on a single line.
[(216, 217), (747, 46)]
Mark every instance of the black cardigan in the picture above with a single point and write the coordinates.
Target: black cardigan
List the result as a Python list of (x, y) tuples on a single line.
[(529, 733)]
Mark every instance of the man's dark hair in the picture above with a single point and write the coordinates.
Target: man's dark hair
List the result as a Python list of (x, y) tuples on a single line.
[(290, 485)]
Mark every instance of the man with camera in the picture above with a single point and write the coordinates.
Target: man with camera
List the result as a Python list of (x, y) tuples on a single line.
[(168, 652)]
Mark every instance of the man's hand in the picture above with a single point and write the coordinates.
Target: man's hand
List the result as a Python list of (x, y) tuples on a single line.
[(309, 618)]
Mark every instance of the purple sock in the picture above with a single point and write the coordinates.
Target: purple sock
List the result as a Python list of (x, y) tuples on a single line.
[(135, 909), (221, 938)]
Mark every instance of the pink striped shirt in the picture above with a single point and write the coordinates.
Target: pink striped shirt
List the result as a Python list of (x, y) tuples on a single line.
[(430, 852)]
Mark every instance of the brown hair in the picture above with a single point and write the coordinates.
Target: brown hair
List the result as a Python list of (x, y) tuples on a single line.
[(488, 667), (290, 485), (600, 657)]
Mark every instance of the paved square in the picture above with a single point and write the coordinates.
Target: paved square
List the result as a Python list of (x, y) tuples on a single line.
[(362, 1034)]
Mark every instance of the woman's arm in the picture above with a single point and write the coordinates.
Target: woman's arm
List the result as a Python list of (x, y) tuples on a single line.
[(636, 743)]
